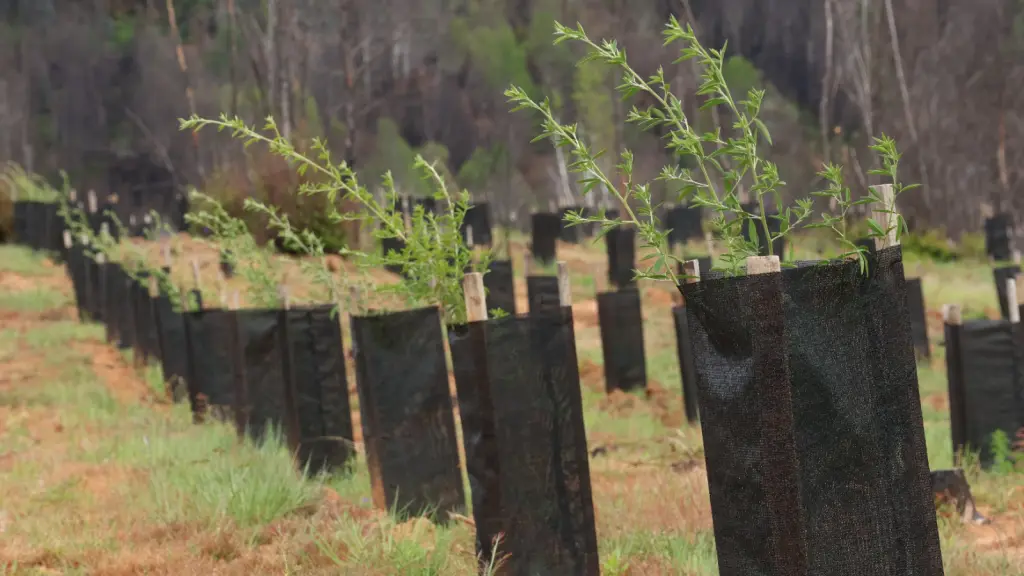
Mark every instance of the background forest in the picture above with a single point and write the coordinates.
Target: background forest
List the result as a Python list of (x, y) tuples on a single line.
[(96, 88)]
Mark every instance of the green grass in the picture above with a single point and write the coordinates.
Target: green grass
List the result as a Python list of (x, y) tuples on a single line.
[(38, 300)]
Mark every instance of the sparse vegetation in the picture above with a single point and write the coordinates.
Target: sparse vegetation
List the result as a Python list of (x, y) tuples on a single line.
[(194, 496)]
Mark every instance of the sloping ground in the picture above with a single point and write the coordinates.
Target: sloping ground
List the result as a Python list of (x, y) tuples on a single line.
[(99, 474)]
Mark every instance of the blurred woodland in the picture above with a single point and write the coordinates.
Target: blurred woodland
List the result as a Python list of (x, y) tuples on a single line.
[(96, 88)]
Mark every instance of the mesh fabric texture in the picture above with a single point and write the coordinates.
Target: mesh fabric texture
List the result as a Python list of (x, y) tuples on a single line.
[(812, 424)]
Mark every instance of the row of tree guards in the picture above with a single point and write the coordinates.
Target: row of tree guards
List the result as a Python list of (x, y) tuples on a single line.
[(805, 384)]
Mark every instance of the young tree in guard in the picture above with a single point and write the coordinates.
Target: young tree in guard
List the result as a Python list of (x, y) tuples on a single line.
[(620, 244), (999, 237), (985, 370), (622, 340), (290, 370), (542, 292), (526, 454), (477, 222), (544, 232), (407, 418), (809, 402), (501, 288)]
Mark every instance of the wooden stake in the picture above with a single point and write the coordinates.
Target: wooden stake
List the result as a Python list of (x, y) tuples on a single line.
[(469, 235), (763, 265), (91, 199), (476, 300), (282, 293), (709, 241), (692, 268), (67, 239), (1012, 300), (354, 306), (951, 314), (406, 217), (73, 195), (564, 285), (884, 219)]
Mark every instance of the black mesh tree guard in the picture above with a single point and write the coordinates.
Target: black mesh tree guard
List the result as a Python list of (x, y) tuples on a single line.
[(500, 284), (211, 377), (76, 263), (985, 371), (396, 245), (174, 350), (526, 451), (999, 237), (477, 219), (544, 234), (407, 418), (126, 310), (622, 340), (94, 288), (684, 223), (147, 345), (321, 389), (111, 300), (20, 222), (1001, 275), (620, 245), (812, 423), (263, 397), (542, 293)]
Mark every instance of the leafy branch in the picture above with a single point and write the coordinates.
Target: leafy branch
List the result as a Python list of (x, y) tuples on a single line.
[(434, 257), (254, 263), (722, 164)]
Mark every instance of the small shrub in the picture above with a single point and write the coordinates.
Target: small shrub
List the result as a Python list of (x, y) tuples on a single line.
[(435, 256), (1004, 459), (972, 245), (272, 181), (931, 244)]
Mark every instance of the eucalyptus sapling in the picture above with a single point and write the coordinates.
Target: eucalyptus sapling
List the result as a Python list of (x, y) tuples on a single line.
[(254, 263), (722, 165), (434, 258)]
